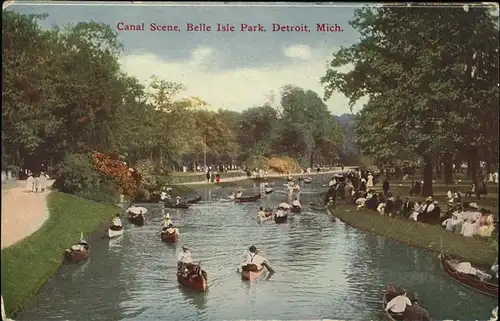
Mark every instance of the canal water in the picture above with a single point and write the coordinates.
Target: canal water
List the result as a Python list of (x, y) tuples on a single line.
[(324, 270)]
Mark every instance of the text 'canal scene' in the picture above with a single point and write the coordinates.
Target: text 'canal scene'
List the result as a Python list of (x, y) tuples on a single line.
[(173, 162)]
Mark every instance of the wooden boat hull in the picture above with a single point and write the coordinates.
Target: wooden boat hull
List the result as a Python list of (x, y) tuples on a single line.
[(294, 209), (387, 296), (169, 237), (73, 256), (471, 281), (247, 199), (137, 219), (251, 276), (198, 283), (180, 205), (194, 200), (112, 233), (280, 219)]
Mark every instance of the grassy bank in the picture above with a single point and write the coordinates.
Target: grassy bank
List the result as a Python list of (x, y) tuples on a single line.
[(26, 266), (476, 250)]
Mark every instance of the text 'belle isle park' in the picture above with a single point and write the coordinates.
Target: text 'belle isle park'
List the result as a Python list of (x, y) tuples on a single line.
[(227, 27)]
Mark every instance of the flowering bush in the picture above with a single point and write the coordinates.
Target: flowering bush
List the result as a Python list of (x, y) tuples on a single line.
[(115, 169), (284, 164)]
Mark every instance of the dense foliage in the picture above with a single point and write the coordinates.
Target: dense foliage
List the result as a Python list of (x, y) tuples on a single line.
[(64, 93), (431, 76)]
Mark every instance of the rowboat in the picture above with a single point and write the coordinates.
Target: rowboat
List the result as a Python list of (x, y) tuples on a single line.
[(196, 282), (268, 191), (389, 294), (295, 209), (194, 200), (136, 219), (169, 237), (73, 256), (469, 280), (115, 231), (280, 219), (180, 205), (247, 199), (251, 276)]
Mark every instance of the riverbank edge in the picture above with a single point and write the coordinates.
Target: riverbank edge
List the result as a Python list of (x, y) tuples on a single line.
[(29, 264), (475, 250)]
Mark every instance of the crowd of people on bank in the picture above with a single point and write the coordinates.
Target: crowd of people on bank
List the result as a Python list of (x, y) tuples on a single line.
[(457, 216)]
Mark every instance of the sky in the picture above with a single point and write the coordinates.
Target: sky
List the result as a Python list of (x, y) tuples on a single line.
[(229, 70)]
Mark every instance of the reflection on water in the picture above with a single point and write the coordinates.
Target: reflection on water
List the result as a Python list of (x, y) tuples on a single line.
[(324, 269)]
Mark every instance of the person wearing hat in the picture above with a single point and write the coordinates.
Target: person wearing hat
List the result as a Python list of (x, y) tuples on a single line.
[(281, 210), (166, 222), (369, 182), (184, 260), (177, 200), (239, 194), (117, 222), (296, 203)]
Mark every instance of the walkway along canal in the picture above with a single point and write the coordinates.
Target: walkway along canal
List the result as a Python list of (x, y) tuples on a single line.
[(324, 269)]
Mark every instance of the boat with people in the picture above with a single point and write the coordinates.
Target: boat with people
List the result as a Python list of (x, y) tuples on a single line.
[(168, 237), (469, 276), (178, 203), (265, 214), (193, 277), (116, 228), (254, 265), (78, 252), (398, 305), (136, 215), (247, 199)]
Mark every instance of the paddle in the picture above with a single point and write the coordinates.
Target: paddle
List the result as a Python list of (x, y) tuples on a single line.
[(270, 269)]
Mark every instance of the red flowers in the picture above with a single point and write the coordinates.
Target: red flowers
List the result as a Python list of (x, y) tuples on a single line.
[(116, 170)]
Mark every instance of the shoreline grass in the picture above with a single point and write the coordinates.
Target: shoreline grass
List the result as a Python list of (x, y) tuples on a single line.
[(29, 264), (476, 250)]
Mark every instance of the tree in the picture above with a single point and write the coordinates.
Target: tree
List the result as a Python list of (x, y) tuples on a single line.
[(412, 75)]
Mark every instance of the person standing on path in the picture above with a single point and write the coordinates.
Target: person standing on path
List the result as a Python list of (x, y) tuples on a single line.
[(37, 184), (30, 183), (386, 186), (369, 183)]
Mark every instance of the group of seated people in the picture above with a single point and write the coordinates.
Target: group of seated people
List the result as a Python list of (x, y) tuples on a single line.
[(233, 196), (465, 218), (186, 267)]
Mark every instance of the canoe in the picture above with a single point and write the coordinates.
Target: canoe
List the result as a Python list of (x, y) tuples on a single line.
[(73, 256), (471, 281), (295, 209), (137, 219), (194, 200), (247, 199), (280, 219), (169, 237), (251, 276), (198, 283), (114, 231), (387, 296), (180, 205)]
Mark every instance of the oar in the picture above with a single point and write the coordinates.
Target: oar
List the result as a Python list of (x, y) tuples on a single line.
[(270, 269)]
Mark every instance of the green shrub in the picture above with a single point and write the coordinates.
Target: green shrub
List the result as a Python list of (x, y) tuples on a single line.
[(147, 172), (259, 162), (77, 176)]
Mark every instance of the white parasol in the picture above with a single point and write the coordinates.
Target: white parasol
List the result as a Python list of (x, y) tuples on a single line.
[(284, 205), (138, 210)]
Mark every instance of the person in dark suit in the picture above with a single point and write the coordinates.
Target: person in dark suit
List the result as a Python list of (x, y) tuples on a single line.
[(386, 186), (407, 208)]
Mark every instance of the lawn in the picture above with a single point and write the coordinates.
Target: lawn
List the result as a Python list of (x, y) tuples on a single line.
[(28, 265)]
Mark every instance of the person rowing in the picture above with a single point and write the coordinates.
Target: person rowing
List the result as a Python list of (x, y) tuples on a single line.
[(80, 246), (166, 222), (184, 261), (232, 196), (254, 262), (116, 223), (296, 188), (239, 194), (268, 188), (178, 200), (399, 303), (281, 212), (296, 204)]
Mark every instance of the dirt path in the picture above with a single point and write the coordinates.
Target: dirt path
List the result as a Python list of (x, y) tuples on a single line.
[(23, 213), (240, 178)]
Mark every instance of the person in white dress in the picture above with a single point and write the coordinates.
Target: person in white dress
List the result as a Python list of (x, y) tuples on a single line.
[(239, 194), (398, 304), (369, 183), (495, 177), (117, 221), (30, 183)]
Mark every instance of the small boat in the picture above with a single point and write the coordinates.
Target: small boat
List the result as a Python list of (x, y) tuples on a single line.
[(280, 219), (389, 294), (115, 231), (73, 256), (180, 205), (251, 276), (197, 282), (268, 191), (169, 237), (469, 280), (247, 199), (194, 200), (295, 209), (136, 219)]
